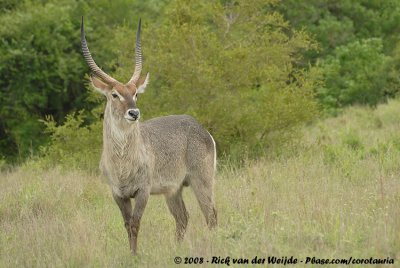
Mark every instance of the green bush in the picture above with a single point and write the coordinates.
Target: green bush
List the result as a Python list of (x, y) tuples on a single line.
[(9, 5), (232, 66), (337, 23), (246, 91), (357, 73), (359, 43), (42, 70), (73, 145)]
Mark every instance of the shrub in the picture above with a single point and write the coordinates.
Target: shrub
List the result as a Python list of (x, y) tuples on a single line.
[(42, 69), (73, 144), (356, 73), (359, 43), (232, 66)]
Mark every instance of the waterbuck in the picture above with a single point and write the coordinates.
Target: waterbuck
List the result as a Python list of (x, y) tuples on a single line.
[(158, 156)]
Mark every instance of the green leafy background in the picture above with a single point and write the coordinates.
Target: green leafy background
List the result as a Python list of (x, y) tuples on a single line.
[(252, 72)]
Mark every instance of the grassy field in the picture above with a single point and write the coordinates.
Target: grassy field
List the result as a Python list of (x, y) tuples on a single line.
[(334, 195)]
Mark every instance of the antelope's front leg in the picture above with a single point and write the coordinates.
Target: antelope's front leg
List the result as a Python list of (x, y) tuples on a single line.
[(134, 223), (125, 206)]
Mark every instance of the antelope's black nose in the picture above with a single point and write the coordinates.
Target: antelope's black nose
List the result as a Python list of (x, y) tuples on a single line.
[(134, 113)]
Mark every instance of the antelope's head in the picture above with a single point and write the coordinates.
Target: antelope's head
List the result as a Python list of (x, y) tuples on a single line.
[(121, 98)]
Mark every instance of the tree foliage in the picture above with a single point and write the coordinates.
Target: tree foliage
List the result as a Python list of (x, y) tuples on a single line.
[(39, 72), (247, 92), (358, 40), (230, 65), (356, 73), (41, 67), (248, 71), (74, 144)]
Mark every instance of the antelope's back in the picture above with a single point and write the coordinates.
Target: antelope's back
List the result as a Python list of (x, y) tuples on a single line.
[(178, 141)]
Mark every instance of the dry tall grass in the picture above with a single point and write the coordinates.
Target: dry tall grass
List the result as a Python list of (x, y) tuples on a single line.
[(336, 195)]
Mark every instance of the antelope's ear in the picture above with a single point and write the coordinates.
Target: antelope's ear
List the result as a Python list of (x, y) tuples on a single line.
[(142, 84), (99, 85)]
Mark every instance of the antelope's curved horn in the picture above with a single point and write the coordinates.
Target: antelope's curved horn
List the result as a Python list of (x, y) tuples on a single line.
[(138, 57), (89, 60)]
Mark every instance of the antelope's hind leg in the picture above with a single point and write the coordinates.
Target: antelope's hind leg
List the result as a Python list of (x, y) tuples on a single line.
[(177, 208), (203, 187)]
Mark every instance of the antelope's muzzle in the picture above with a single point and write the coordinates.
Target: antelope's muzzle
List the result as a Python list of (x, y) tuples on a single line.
[(132, 114)]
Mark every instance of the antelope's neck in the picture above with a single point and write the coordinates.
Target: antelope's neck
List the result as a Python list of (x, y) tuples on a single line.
[(123, 156), (122, 142)]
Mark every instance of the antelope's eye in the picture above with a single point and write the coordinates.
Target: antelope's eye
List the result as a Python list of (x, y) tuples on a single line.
[(114, 95)]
